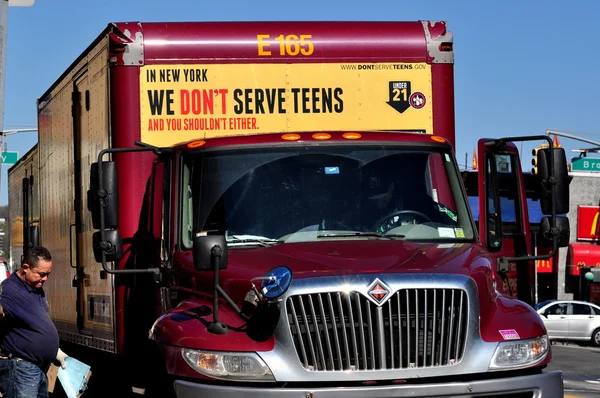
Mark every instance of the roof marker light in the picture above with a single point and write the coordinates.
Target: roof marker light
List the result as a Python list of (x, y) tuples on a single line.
[(437, 138), (351, 136), (321, 136), (446, 46), (290, 137), (196, 144)]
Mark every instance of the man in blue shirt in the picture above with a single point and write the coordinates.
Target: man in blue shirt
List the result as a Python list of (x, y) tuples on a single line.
[(28, 337)]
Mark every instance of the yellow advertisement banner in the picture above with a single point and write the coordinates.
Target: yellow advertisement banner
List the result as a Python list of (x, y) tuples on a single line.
[(185, 102)]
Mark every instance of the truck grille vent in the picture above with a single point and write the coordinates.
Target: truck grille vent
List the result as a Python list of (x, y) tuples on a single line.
[(415, 328)]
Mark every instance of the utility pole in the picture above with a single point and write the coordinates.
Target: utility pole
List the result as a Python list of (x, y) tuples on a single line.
[(3, 37), (4, 4)]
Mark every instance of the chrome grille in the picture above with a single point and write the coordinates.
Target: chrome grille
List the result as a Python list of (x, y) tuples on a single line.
[(415, 328)]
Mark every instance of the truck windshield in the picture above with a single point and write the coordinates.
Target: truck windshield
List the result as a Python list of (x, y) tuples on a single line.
[(284, 195)]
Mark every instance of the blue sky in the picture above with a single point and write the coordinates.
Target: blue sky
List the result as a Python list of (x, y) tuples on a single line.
[(521, 67)]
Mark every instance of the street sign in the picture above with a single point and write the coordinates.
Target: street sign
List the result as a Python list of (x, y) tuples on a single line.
[(10, 158), (585, 164), (21, 3)]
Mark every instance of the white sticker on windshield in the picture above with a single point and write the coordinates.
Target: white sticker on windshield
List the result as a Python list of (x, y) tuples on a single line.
[(446, 157), (446, 232)]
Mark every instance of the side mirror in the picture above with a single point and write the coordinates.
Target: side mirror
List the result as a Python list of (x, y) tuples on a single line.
[(108, 198), (564, 232), (208, 250), (561, 196), (112, 246), (34, 236)]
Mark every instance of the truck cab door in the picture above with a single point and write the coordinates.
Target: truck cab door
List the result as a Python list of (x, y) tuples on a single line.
[(503, 219)]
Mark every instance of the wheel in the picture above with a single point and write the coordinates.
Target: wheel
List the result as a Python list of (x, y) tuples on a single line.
[(387, 222), (596, 337), (159, 384)]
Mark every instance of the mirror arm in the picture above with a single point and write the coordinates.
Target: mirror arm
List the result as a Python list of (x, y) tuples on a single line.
[(217, 327), (232, 303), (156, 150)]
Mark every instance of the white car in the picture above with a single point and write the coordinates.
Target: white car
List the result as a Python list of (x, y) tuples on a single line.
[(571, 320), (4, 269)]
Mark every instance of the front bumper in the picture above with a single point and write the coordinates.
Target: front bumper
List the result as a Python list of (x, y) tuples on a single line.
[(546, 385)]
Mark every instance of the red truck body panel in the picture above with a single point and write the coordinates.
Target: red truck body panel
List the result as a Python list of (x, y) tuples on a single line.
[(216, 42)]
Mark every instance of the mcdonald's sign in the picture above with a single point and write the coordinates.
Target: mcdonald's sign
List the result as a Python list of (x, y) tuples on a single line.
[(588, 228), (544, 265), (582, 255)]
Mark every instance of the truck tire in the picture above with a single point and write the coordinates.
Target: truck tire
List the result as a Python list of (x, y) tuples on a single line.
[(159, 382)]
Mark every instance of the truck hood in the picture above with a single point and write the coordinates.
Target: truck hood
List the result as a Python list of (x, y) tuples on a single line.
[(334, 258), (337, 258), (340, 258)]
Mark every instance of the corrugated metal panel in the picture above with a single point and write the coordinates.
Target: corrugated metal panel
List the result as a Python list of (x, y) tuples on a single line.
[(69, 135), (26, 166), (93, 138)]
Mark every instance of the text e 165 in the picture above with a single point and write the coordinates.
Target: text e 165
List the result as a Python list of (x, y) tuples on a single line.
[(291, 45)]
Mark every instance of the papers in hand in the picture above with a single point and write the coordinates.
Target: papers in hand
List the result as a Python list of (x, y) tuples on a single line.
[(74, 378)]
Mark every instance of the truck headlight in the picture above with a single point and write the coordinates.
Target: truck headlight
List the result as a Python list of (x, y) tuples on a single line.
[(520, 353), (243, 366)]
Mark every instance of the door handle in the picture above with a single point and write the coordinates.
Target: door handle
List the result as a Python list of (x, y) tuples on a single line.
[(71, 245), (562, 317)]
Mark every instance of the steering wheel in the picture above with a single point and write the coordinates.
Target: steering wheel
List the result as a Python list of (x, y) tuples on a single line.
[(387, 220)]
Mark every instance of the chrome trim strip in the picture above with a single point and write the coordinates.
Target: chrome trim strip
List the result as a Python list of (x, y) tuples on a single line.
[(380, 338)]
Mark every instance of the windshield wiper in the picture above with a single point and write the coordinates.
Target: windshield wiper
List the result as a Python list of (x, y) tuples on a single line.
[(353, 234), (264, 242)]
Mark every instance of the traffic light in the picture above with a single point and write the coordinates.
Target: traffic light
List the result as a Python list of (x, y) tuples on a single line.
[(535, 161)]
